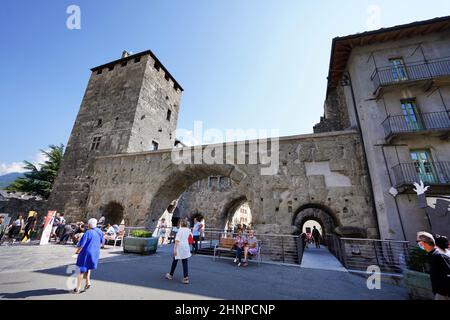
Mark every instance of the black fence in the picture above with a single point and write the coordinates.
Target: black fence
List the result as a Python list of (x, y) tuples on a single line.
[(411, 72), (358, 254), (423, 122), (437, 173), (274, 247)]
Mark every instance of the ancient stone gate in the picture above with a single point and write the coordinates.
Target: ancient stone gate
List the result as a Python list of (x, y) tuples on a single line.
[(320, 170)]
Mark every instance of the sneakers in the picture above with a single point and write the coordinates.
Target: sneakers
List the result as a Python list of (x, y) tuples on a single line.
[(239, 264), (168, 276), (235, 260)]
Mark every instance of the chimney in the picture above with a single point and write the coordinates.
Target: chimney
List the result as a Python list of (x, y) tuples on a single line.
[(125, 54)]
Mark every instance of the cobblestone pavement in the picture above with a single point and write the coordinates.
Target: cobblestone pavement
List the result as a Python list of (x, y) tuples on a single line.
[(41, 272)]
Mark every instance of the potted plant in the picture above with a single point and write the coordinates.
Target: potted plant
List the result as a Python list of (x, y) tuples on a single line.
[(416, 277), (140, 241)]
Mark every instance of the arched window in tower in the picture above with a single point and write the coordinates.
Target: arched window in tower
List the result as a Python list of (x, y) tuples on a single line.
[(169, 114)]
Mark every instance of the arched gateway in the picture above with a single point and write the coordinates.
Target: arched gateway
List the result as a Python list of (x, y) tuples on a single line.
[(146, 183)]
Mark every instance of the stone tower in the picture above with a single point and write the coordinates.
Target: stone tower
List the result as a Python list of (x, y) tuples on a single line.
[(130, 105)]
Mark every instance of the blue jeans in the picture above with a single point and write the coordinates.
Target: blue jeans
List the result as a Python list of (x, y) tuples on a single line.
[(239, 253), (185, 267)]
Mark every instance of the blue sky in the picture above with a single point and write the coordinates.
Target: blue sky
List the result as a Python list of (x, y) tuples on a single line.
[(248, 64)]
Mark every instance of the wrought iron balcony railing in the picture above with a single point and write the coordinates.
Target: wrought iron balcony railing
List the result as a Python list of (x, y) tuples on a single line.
[(411, 72), (431, 173), (432, 121)]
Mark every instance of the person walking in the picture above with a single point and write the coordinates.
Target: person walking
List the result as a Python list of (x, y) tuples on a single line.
[(196, 233), (439, 266), (162, 228), (316, 237), (181, 251), (88, 253)]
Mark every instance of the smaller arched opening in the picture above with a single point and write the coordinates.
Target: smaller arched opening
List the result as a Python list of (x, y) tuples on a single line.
[(113, 212), (237, 213), (310, 215)]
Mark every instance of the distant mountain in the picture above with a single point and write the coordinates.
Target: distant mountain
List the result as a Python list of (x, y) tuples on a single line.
[(6, 179)]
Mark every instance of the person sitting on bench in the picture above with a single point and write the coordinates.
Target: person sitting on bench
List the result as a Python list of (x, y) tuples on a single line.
[(239, 243), (251, 247)]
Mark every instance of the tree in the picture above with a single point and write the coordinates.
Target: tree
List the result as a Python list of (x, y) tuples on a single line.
[(40, 181)]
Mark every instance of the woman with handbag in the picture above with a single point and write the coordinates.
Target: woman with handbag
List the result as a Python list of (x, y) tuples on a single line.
[(181, 251)]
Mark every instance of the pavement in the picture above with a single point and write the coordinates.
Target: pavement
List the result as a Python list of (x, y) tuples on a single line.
[(46, 272), (320, 259)]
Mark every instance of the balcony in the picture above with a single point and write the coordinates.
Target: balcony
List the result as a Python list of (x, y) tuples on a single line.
[(431, 173), (437, 122), (410, 73)]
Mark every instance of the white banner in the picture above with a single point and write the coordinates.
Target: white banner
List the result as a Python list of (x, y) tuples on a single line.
[(45, 238)]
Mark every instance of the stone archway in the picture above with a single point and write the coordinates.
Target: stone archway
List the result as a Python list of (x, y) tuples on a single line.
[(178, 181), (319, 213), (113, 212), (231, 208)]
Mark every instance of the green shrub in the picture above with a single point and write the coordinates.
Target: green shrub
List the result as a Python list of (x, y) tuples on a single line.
[(418, 260), (141, 234)]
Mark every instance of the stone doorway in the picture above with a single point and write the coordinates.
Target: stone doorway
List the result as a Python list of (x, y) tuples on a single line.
[(319, 214), (113, 212)]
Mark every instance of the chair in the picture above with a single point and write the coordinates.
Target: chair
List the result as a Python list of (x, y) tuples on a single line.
[(120, 235)]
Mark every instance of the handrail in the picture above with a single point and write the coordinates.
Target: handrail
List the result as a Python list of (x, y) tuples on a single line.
[(379, 240), (421, 70)]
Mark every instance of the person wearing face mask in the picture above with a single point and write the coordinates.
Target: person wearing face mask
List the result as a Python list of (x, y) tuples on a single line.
[(439, 266)]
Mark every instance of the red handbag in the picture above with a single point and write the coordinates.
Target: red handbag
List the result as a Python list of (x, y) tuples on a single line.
[(190, 239)]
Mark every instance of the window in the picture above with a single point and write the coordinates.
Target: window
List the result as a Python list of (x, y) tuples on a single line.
[(111, 68), (95, 143), (99, 122), (124, 63), (398, 69), (154, 146), (411, 115), (169, 113), (99, 71), (137, 59), (424, 166), (157, 66), (166, 76)]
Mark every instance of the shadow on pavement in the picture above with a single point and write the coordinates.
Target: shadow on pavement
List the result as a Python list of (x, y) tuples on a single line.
[(224, 280), (32, 293)]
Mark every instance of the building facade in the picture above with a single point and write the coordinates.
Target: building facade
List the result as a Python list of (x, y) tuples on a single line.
[(393, 85)]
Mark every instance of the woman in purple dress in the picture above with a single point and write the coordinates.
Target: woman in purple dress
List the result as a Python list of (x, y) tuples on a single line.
[(88, 251)]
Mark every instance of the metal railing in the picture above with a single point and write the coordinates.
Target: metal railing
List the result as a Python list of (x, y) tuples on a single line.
[(424, 122), (358, 254), (411, 72), (274, 247), (433, 173)]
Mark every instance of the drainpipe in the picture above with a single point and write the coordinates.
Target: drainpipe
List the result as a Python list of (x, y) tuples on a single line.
[(358, 122), (395, 198)]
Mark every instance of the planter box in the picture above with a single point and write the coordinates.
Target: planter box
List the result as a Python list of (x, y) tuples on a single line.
[(418, 285), (140, 245)]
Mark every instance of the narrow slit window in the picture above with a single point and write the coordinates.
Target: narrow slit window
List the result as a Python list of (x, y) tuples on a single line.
[(169, 114), (154, 146)]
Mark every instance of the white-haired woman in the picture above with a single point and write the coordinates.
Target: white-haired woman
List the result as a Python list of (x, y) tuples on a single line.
[(181, 251), (88, 251)]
